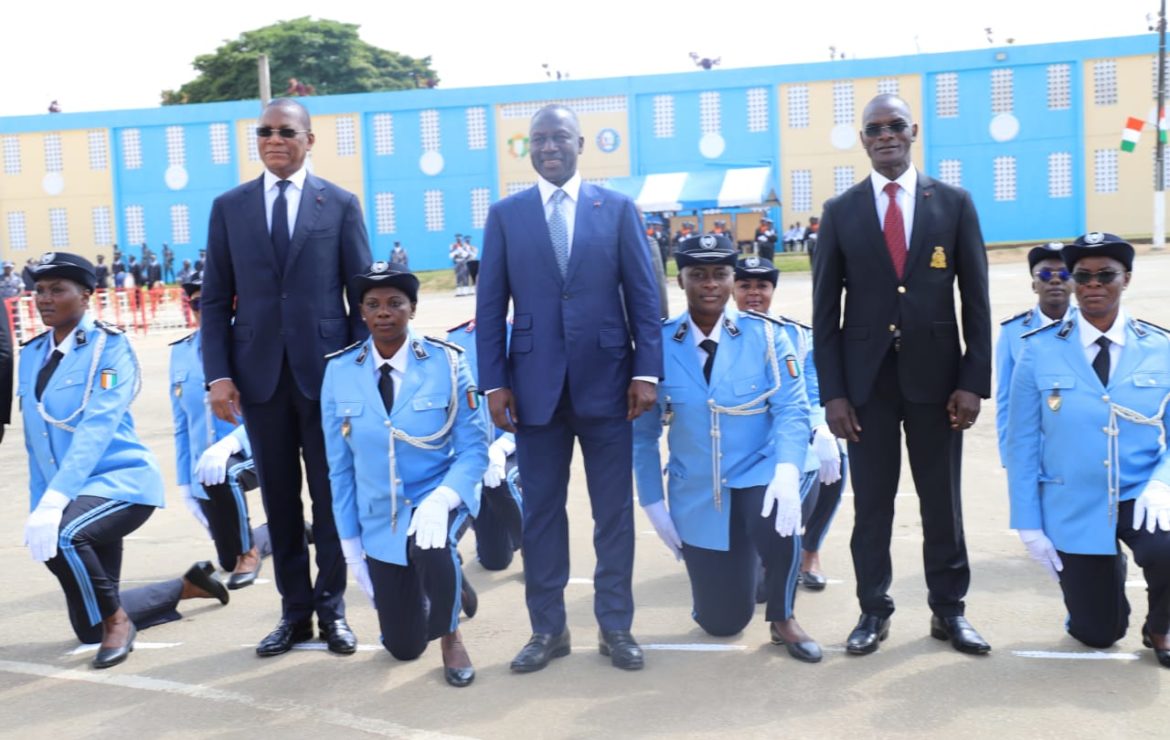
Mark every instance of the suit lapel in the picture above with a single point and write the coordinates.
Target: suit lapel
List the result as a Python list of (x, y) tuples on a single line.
[(412, 379), (587, 196), (861, 201), (536, 226), (684, 358), (923, 212), (312, 203), (258, 216), (1074, 357), (727, 353)]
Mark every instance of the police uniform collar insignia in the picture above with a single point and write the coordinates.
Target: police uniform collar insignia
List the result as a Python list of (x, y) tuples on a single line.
[(681, 332), (79, 337), (1028, 318), (420, 352), (730, 327), (361, 358), (1094, 237), (1066, 329)]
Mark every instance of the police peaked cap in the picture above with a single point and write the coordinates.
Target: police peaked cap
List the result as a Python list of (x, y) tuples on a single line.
[(65, 265), (756, 267), (1049, 251), (193, 283), (1098, 244), (388, 274), (708, 249)]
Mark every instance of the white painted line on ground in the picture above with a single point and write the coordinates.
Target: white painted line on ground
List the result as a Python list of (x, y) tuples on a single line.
[(320, 646), (1056, 655), (138, 645), (287, 709), (580, 581), (694, 647)]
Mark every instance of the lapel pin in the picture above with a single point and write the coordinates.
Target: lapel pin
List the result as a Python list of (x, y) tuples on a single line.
[(320, 199), (928, 193), (597, 204)]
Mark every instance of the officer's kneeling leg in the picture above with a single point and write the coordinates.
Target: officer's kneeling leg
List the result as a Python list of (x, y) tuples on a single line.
[(1094, 594), (493, 541), (399, 600), (723, 585)]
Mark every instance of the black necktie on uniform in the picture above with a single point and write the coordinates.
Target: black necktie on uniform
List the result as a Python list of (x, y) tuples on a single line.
[(47, 371), (1101, 361), (280, 238), (386, 387), (709, 346)]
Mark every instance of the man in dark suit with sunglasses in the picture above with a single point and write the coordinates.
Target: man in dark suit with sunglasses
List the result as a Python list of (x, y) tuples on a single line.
[(280, 252), (894, 245)]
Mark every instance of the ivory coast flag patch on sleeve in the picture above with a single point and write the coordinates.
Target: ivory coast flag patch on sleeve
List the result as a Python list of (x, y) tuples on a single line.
[(109, 378)]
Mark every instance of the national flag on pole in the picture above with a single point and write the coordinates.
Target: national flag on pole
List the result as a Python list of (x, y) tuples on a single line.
[(1131, 134)]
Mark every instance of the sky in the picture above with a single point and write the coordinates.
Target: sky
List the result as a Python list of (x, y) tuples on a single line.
[(123, 53)]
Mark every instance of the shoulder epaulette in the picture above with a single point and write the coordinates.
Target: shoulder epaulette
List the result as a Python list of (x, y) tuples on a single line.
[(1013, 317), (1154, 326), (468, 326), (107, 328), (342, 351), (445, 343), (1044, 328), (30, 341), (798, 323), (764, 316), (184, 339)]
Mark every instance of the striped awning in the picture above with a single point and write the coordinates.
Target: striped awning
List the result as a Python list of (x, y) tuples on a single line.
[(687, 191)]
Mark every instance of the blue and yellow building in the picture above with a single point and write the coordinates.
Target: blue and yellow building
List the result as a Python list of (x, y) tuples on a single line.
[(1032, 132)]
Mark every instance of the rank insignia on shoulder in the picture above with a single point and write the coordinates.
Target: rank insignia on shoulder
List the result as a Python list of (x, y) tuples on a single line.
[(1013, 317), (109, 378), (793, 368), (766, 317), (444, 343), (27, 342), (472, 398), (329, 356), (938, 259), (1053, 325), (1140, 325), (191, 336), (801, 324), (107, 328)]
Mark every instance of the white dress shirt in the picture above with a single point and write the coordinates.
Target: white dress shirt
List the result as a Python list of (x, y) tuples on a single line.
[(572, 190), (292, 196), (397, 365), (1089, 335), (909, 187), (65, 347), (698, 336)]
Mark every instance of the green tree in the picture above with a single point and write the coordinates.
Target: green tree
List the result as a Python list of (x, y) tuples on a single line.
[(326, 55)]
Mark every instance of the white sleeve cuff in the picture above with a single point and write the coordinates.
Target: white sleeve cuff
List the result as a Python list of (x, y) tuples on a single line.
[(448, 496)]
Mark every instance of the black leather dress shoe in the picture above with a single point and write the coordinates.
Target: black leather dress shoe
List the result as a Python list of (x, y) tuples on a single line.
[(621, 648), (243, 580), (286, 634), (469, 598), (541, 648), (200, 576), (813, 581), (110, 657), (1163, 656), (339, 637), (961, 634), (864, 638), (805, 650)]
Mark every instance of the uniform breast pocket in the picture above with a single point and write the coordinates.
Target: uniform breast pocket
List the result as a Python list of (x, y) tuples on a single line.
[(751, 386), (68, 381), (348, 412), (1056, 382), (1152, 380)]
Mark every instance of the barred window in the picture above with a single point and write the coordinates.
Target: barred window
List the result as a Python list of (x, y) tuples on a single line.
[(757, 109), (135, 224), (131, 149), (12, 157), (103, 226), (608, 104), (221, 151), (428, 122), (253, 146), (888, 86), (384, 213), (1060, 175), (1105, 171), (663, 116), (481, 200), (176, 146), (843, 179), (476, 128), (346, 138), (54, 158), (1001, 90), (801, 191), (384, 134), (17, 231), (1105, 82), (1004, 169), (798, 106), (946, 95), (58, 228), (950, 171), (710, 119), (843, 109), (1059, 87), (180, 225), (433, 210), (99, 154)]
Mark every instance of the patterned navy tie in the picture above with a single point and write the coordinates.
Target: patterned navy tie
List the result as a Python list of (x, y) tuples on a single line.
[(558, 231)]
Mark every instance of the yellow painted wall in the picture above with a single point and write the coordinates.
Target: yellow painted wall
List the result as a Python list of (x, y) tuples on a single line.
[(515, 165), (1128, 211), (344, 171), (82, 190), (812, 149)]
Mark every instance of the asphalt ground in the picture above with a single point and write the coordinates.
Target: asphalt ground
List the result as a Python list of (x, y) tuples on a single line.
[(199, 677)]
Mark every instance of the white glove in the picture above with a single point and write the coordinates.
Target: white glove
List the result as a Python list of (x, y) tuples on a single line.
[(193, 506), (212, 467), (355, 560), (825, 447), (43, 526), (664, 526), (1042, 551), (429, 523), (497, 469), (1153, 506), (783, 493)]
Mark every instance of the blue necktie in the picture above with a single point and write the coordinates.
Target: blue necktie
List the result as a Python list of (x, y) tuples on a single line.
[(280, 238), (558, 231)]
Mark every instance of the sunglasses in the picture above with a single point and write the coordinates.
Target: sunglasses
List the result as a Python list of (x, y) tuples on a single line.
[(1084, 277), (285, 133), (875, 130), (194, 304), (1045, 274)]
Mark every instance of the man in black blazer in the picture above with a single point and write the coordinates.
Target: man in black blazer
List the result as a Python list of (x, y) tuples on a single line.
[(894, 245), (280, 252)]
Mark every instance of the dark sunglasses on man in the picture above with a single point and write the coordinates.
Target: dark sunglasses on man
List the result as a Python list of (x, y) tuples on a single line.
[(265, 132), (1084, 277), (875, 130)]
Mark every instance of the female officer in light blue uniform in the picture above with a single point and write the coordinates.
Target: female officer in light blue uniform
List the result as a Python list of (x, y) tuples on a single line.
[(755, 284), (213, 459), (1087, 459), (499, 524), (91, 482), (406, 449), (736, 415)]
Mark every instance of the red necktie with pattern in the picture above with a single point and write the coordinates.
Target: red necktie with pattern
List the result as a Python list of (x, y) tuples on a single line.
[(895, 230)]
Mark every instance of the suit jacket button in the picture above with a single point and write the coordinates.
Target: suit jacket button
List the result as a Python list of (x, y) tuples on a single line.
[(901, 288), (893, 328), (284, 296), (565, 296)]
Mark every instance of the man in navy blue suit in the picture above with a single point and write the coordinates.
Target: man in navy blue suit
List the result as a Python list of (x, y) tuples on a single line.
[(280, 252), (584, 359)]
